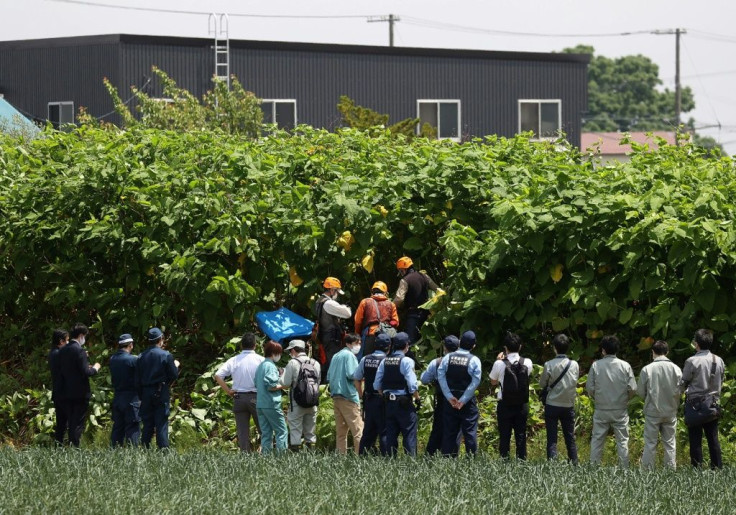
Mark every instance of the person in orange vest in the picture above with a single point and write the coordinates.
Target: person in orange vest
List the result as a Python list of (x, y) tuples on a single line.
[(413, 291), (375, 314)]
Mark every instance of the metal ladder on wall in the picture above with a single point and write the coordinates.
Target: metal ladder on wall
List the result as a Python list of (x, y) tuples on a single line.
[(218, 26)]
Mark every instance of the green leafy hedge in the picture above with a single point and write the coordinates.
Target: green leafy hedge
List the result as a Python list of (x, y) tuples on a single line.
[(198, 231)]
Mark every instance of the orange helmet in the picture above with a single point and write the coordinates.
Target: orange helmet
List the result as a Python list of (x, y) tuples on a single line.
[(404, 263), (380, 285), (332, 282)]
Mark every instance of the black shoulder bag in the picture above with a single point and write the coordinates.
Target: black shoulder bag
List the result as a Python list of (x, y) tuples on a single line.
[(545, 391), (703, 408)]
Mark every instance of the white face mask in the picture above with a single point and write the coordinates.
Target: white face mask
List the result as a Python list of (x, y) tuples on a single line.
[(81, 339), (276, 358), (355, 350)]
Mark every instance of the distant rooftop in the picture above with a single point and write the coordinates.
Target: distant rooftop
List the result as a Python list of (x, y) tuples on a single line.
[(609, 142), (284, 45)]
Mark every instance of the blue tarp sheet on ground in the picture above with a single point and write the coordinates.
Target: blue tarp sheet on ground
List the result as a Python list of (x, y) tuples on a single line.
[(282, 324)]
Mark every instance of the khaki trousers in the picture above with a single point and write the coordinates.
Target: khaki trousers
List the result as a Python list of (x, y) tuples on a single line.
[(603, 420), (347, 417), (653, 427)]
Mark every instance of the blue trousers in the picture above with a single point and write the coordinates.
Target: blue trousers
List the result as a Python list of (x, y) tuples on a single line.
[(126, 420), (463, 420), (273, 426), (414, 321), (401, 417), (154, 413), (434, 443), (566, 417), (374, 426)]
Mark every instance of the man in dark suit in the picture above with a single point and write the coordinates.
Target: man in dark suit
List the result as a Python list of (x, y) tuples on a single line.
[(58, 340), (75, 372), (155, 372)]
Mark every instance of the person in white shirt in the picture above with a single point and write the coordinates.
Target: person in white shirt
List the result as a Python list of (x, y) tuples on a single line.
[(330, 315), (513, 396), (242, 368)]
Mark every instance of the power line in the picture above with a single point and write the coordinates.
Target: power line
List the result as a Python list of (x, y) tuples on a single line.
[(713, 36), (705, 92), (89, 3), (422, 22)]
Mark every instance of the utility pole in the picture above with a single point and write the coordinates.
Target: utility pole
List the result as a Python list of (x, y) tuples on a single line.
[(390, 19), (678, 89), (678, 86)]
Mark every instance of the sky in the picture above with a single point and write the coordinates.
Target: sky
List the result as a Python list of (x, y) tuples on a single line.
[(529, 25)]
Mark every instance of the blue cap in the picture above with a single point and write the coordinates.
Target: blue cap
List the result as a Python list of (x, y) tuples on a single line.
[(451, 342), (467, 340), (383, 341), (154, 334), (125, 339), (400, 341)]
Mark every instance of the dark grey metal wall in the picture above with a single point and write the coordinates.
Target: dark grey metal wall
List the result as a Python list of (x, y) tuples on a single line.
[(34, 73), (389, 80), (488, 89)]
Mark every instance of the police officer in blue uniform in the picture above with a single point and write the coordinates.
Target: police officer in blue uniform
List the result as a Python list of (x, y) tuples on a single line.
[(397, 383), (429, 376), (126, 425), (459, 375), (373, 405), (155, 372)]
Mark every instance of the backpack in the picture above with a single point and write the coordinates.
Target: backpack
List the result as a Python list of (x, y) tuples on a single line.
[(515, 389), (383, 327), (306, 390)]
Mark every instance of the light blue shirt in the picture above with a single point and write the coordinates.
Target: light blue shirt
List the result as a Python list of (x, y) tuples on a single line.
[(473, 369), (406, 367), (360, 371), (430, 375), (340, 375), (267, 377)]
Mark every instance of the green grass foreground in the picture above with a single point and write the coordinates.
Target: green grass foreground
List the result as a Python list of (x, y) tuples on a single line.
[(37, 480)]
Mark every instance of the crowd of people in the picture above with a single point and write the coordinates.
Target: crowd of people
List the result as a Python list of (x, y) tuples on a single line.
[(371, 378)]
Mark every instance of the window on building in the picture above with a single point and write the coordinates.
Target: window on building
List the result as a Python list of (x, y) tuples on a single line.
[(542, 117), (61, 113), (280, 112), (443, 115)]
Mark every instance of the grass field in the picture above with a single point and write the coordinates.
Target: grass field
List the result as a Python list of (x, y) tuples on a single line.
[(38, 480)]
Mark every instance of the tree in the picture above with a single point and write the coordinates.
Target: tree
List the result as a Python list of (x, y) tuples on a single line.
[(234, 110), (359, 117), (623, 94)]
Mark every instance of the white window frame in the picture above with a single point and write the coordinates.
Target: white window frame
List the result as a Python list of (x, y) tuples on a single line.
[(541, 101), (443, 101), (283, 101), (60, 103)]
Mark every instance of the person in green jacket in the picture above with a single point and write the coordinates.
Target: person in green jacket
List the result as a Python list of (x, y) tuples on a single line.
[(268, 401)]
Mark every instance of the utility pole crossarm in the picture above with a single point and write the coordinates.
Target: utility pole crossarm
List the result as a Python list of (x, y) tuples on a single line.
[(390, 19), (678, 87)]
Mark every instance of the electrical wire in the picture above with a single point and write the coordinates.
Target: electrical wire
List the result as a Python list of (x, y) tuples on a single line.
[(90, 3), (422, 22), (705, 92)]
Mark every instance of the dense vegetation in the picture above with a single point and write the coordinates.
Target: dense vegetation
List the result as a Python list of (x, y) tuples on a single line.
[(49, 481), (197, 231)]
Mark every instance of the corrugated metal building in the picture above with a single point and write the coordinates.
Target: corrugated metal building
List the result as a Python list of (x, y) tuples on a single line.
[(461, 92)]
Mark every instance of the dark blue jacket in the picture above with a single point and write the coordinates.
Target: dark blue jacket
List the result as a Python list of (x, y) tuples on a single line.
[(75, 372), (155, 366), (122, 370)]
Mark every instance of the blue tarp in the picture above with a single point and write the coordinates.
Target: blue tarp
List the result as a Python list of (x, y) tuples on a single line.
[(11, 119), (282, 324)]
